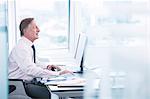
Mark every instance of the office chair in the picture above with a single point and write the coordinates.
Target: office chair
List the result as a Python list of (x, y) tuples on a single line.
[(17, 90)]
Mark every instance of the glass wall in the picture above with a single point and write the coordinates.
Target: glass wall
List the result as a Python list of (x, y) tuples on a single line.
[(3, 50), (118, 44)]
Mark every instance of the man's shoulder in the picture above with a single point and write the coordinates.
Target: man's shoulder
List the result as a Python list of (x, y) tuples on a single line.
[(21, 47)]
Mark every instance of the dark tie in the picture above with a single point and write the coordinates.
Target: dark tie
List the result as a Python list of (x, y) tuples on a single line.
[(34, 56)]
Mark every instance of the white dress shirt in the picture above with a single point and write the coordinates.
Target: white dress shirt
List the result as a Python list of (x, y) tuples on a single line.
[(21, 63)]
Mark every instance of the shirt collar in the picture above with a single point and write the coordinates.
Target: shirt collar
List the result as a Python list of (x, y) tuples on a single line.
[(27, 41)]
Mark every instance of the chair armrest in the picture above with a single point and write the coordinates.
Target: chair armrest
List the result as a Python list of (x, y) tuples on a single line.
[(15, 80)]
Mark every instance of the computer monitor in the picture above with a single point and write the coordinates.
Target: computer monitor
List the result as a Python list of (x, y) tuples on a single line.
[(74, 63), (80, 48)]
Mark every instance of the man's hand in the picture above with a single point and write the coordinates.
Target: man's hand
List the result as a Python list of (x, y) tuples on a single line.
[(57, 68), (65, 72), (53, 67)]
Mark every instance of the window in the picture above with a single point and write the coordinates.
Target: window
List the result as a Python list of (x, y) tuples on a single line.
[(53, 19)]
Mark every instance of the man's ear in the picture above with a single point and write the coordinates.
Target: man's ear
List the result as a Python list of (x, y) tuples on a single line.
[(24, 31)]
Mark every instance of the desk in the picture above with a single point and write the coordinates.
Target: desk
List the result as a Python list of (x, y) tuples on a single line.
[(66, 92)]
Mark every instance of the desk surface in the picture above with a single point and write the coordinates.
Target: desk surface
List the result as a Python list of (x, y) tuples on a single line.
[(72, 91), (62, 89), (65, 93)]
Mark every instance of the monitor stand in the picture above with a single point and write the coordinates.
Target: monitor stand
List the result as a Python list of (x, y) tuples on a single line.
[(81, 66)]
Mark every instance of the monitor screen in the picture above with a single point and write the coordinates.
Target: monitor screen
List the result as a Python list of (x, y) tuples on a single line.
[(81, 44)]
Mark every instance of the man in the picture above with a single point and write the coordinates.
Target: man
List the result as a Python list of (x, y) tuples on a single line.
[(22, 61)]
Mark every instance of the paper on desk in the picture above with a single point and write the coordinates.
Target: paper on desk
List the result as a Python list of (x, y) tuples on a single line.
[(72, 82), (67, 82), (56, 79)]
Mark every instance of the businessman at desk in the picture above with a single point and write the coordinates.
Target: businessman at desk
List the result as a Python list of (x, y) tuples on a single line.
[(23, 63)]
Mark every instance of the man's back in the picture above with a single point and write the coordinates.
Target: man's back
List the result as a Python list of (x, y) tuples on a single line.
[(17, 59)]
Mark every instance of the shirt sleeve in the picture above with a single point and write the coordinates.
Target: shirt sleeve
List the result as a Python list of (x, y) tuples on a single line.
[(24, 61), (42, 63)]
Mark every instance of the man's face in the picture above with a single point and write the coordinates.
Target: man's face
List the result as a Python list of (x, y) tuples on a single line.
[(32, 31)]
